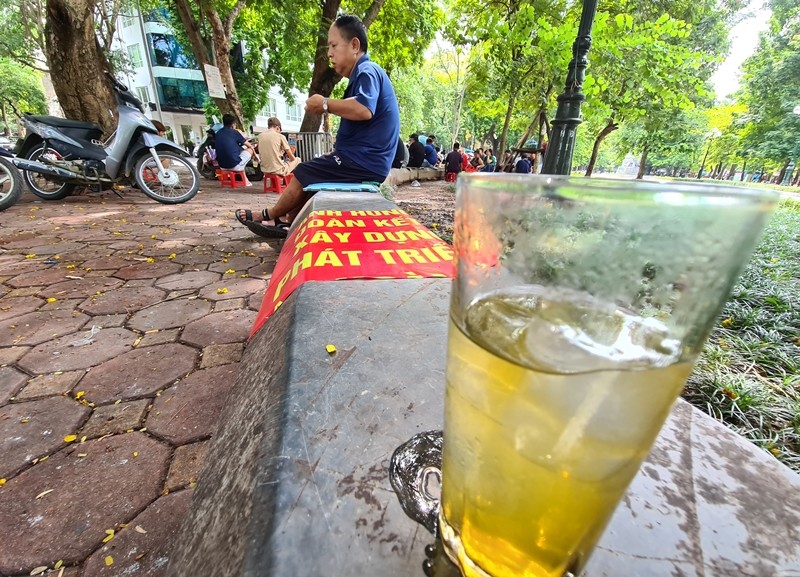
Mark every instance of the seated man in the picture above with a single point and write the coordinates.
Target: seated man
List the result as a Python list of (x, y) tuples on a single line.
[(523, 164), (431, 158), (367, 139), (233, 149), (273, 146), (416, 151), (453, 162)]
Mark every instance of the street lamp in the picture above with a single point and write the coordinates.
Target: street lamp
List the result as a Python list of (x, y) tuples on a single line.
[(714, 133), (558, 158), (787, 176)]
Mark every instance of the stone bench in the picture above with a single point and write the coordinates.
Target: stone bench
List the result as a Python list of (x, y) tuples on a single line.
[(296, 481), (402, 175)]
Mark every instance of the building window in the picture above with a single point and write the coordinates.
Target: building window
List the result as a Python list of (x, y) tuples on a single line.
[(144, 94), (128, 21), (270, 110), (181, 92), (293, 112), (135, 54), (165, 51)]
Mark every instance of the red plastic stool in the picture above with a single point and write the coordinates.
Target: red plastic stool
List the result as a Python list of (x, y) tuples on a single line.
[(231, 178), (276, 182), (450, 176)]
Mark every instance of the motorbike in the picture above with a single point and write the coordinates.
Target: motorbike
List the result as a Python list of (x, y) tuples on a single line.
[(207, 164), (58, 154), (10, 180)]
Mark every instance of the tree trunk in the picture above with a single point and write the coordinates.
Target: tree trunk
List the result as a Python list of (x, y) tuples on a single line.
[(77, 62), (502, 145), (220, 49), (744, 169), (643, 163), (324, 78), (608, 129)]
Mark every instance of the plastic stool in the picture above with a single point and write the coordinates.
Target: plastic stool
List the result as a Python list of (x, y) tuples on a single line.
[(231, 178), (450, 176), (277, 183)]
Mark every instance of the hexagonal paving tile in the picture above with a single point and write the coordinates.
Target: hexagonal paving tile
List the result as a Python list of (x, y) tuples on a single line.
[(189, 411), (11, 381), (63, 354), (121, 300), (138, 373), (148, 270), (236, 287), (143, 554), (79, 497), (36, 428), (15, 306), (81, 288), (219, 328), (188, 280), (40, 277), (38, 327), (176, 313)]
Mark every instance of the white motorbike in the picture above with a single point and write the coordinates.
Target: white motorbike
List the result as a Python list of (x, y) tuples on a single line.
[(58, 154)]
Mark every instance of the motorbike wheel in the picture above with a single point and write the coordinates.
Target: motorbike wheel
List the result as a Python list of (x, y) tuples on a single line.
[(10, 184), (41, 185), (181, 181), (205, 170)]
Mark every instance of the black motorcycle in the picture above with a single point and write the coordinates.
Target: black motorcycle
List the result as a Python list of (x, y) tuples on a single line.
[(207, 164), (10, 180)]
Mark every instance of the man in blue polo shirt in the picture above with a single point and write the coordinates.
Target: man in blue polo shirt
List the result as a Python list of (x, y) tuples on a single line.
[(233, 149), (367, 139)]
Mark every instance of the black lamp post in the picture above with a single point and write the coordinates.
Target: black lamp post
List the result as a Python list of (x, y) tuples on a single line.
[(558, 158)]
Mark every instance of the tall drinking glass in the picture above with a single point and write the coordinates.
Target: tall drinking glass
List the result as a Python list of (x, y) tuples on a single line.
[(577, 312)]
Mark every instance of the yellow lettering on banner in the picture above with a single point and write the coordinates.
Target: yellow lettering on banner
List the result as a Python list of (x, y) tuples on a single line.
[(354, 223), (443, 251), (316, 223), (386, 253), (328, 212), (335, 223), (298, 246), (399, 221), (352, 257), (429, 253), (410, 255), (320, 236), (419, 235), (304, 262), (327, 256), (374, 237), (343, 237), (382, 222), (376, 212)]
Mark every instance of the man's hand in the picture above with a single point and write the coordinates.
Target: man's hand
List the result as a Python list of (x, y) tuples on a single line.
[(314, 104)]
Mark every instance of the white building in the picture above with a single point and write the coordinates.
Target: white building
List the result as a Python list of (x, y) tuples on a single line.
[(172, 86)]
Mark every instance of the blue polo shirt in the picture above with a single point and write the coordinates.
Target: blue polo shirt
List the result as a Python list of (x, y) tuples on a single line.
[(430, 154), (228, 144), (371, 143)]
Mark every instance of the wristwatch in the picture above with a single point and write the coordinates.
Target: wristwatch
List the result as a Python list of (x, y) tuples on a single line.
[(325, 105)]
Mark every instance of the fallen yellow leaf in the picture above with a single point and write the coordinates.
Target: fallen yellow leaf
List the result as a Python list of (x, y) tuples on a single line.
[(30, 255), (58, 564), (52, 299), (151, 259), (43, 493), (70, 438), (2, 482), (330, 348), (222, 291), (230, 271), (109, 560), (136, 453), (139, 529), (39, 570), (79, 394)]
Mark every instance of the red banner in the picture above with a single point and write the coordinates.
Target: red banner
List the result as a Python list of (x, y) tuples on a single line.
[(355, 244)]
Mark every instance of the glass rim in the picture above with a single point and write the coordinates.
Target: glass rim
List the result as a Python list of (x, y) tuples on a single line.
[(599, 186)]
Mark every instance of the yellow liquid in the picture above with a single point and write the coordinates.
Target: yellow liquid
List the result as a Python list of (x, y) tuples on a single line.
[(541, 442)]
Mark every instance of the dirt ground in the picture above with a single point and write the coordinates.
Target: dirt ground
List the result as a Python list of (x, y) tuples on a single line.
[(432, 203)]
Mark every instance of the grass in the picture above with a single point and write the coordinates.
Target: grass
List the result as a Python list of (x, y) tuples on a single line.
[(747, 376)]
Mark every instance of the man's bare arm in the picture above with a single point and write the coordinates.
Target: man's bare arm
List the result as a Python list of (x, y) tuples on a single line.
[(349, 108)]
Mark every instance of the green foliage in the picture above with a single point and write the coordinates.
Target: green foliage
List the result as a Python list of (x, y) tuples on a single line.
[(20, 91)]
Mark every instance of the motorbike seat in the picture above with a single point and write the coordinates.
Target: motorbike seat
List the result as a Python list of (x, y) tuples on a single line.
[(65, 122)]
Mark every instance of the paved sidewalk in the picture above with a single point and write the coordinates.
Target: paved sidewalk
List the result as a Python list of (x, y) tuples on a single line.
[(122, 322)]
